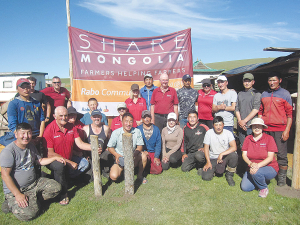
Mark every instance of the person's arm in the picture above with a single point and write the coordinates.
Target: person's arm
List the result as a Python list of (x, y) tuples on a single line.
[(47, 161), (139, 148), (206, 153), (51, 154), (48, 111), (286, 133), (232, 148), (42, 129), (249, 117), (230, 108), (21, 199), (152, 114), (114, 153), (176, 111), (85, 146)]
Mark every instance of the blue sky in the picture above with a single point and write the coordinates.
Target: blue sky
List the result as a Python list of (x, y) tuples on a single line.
[(34, 32)]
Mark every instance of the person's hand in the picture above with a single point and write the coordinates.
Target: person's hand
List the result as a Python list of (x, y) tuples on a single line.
[(253, 168), (243, 124), (201, 149), (139, 123), (47, 120), (117, 158), (285, 135), (165, 159), (220, 158), (73, 165), (99, 150), (207, 166), (157, 161), (153, 121), (22, 200), (60, 159), (183, 157), (222, 106)]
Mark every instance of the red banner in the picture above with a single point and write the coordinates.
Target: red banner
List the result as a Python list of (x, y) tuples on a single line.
[(109, 59)]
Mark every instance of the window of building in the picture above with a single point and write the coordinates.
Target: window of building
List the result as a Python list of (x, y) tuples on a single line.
[(7, 84)]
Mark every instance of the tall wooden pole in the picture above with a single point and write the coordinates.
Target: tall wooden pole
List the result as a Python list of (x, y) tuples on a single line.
[(128, 163), (296, 156), (70, 53), (96, 166)]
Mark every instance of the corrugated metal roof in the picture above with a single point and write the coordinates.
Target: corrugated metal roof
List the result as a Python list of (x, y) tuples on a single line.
[(244, 69)]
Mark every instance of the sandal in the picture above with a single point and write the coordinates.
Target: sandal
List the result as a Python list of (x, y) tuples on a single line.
[(143, 180), (64, 200)]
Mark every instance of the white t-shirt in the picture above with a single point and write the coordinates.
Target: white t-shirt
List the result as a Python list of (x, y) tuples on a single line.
[(227, 99), (218, 143)]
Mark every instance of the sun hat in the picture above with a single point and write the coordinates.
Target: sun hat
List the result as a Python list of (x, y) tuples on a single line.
[(258, 121)]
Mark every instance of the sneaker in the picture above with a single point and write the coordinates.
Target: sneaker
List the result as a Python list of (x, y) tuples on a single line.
[(263, 193)]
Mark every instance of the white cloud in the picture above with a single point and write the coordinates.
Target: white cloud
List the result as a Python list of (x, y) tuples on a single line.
[(166, 16), (281, 23)]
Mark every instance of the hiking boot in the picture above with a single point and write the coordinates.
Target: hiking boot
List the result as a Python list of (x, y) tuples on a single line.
[(281, 177), (199, 172), (229, 178), (5, 207), (263, 193)]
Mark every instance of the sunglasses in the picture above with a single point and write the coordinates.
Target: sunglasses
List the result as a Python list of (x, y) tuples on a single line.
[(206, 85), (56, 82)]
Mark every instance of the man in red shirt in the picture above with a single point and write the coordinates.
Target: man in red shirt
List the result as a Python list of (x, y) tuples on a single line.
[(163, 101), (57, 96), (59, 138)]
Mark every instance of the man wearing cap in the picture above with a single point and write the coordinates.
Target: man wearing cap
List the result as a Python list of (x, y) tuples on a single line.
[(57, 95), (25, 109), (103, 133), (193, 136), (224, 103), (152, 143), (164, 100), (247, 106), (205, 101), (59, 139), (93, 105), (117, 121), (187, 96), (115, 147), (276, 110), (148, 89)]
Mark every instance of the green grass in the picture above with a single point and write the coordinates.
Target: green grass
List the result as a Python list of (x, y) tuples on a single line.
[(173, 197)]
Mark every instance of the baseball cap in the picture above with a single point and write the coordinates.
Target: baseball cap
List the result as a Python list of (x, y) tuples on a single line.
[(248, 76), (258, 121), (22, 81), (185, 77), (222, 78), (72, 110), (148, 75), (206, 81), (146, 113), (135, 87), (96, 112), (121, 105), (172, 115)]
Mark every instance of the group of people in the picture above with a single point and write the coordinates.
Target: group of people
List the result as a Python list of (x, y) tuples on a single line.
[(167, 131)]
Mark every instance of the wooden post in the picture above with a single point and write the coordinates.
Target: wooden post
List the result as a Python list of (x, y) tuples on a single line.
[(70, 53), (128, 163), (296, 156), (96, 166)]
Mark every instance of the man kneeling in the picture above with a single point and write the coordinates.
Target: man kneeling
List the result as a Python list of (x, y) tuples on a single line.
[(220, 151), (115, 147), (20, 185)]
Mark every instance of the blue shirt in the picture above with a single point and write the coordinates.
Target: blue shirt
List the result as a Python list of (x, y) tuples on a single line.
[(147, 94), (115, 140), (86, 119)]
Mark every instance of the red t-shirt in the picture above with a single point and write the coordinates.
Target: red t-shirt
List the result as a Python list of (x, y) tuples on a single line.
[(205, 102), (137, 108), (54, 98), (164, 102), (62, 143), (117, 123), (257, 151)]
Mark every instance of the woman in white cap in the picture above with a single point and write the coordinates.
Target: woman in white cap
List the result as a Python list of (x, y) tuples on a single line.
[(172, 136), (259, 153), (117, 121), (136, 104)]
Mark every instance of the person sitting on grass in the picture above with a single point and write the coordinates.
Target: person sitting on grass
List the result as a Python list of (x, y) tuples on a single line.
[(152, 143), (171, 136), (259, 153), (21, 187), (193, 152), (115, 147), (220, 151)]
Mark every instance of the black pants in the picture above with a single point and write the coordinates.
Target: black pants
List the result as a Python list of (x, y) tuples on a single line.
[(208, 123), (191, 161), (282, 147), (160, 120), (60, 174), (174, 159)]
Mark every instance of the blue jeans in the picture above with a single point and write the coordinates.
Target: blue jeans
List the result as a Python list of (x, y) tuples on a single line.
[(183, 122), (83, 165), (259, 179), (230, 128)]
